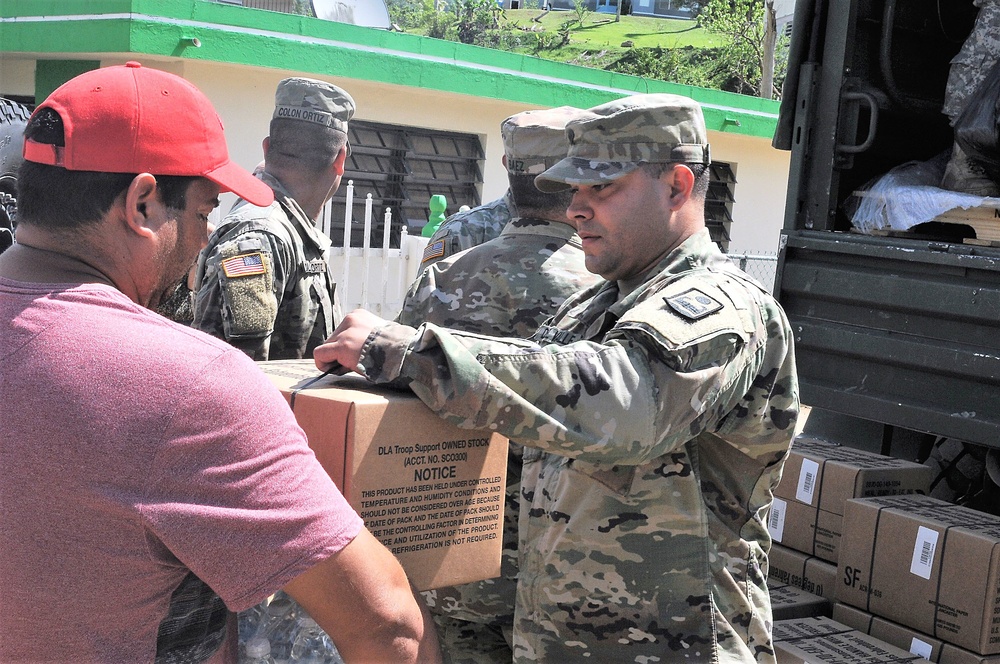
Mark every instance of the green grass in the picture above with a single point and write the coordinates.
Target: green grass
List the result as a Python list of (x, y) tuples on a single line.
[(601, 30), (599, 41)]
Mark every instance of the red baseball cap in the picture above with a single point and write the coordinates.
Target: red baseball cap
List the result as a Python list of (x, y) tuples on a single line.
[(130, 119)]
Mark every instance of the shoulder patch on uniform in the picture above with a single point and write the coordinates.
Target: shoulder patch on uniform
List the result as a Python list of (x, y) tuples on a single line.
[(693, 304), (433, 250), (244, 265)]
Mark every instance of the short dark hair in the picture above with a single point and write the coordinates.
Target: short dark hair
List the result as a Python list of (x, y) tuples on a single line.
[(702, 175), (297, 144), (531, 202), (63, 199)]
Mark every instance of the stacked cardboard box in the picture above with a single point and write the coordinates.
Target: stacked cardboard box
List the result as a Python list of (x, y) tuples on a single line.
[(789, 602), (819, 477), (926, 564), (907, 638), (812, 574), (431, 492), (813, 640)]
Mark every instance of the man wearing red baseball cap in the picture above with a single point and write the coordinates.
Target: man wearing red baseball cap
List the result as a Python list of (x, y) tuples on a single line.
[(140, 509)]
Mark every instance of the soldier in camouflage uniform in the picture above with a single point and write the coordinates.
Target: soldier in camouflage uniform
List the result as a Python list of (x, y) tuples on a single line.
[(264, 281), (657, 406), (969, 69), (463, 230), (507, 286)]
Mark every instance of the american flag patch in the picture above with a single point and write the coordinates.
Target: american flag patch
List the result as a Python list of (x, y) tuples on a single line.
[(246, 265), (433, 251)]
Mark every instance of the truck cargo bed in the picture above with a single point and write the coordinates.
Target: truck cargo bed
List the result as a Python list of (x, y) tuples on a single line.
[(899, 331)]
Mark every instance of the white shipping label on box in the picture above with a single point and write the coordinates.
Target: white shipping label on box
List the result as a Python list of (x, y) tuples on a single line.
[(807, 481), (776, 520), (922, 648), (923, 552)]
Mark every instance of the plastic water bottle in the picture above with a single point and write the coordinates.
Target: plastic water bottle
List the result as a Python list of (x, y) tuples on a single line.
[(281, 625), (249, 622), (257, 651), (312, 645)]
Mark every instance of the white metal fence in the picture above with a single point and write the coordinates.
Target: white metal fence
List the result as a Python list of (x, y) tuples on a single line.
[(372, 278)]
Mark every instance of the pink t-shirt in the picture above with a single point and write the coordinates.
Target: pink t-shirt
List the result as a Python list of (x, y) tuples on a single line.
[(133, 452)]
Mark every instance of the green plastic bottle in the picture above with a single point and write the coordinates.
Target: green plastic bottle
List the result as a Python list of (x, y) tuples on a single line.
[(438, 205)]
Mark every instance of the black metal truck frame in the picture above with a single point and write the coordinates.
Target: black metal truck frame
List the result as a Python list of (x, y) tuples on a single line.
[(901, 331)]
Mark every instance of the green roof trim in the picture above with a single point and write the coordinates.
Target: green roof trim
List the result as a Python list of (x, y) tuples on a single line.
[(258, 38)]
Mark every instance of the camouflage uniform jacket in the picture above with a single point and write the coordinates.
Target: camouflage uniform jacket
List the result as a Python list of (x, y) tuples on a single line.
[(507, 286), (972, 64), (661, 424), (264, 281), (463, 230)]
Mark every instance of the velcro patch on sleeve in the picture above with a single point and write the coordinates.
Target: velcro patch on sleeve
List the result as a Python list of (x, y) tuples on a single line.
[(244, 265), (433, 250), (693, 304)]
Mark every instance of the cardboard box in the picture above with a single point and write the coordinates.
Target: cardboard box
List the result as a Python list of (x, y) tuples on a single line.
[(789, 602), (908, 638), (431, 492), (822, 640), (893, 633), (812, 574), (819, 477), (954, 655), (926, 564), (805, 529)]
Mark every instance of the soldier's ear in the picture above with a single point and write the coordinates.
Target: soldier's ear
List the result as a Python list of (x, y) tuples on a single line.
[(681, 185), (340, 162)]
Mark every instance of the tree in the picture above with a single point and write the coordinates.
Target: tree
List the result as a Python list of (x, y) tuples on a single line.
[(408, 14), (746, 62), (474, 18), (580, 11), (686, 66)]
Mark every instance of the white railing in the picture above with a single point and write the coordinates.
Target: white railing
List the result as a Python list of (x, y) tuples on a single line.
[(372, 278)]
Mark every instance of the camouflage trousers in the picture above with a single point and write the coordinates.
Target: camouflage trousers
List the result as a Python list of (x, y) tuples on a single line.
[(464, 642)]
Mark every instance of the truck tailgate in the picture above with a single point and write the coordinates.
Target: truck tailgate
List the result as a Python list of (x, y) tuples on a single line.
[(899, 331)]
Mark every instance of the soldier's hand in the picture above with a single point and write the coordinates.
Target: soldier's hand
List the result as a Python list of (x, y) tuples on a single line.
[(344, 345)]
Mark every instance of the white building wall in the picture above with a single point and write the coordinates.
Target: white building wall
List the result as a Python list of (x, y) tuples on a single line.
[(761, 182)]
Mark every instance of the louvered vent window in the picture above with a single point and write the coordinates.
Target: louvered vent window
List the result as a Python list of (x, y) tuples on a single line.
[(402, 167), (719, 202)]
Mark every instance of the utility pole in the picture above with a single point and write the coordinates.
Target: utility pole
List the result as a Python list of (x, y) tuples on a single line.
[(767, 52)]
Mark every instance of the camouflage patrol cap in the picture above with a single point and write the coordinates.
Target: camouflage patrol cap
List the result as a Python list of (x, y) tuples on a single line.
[(309, 100), (621, 135), (536, 140)]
